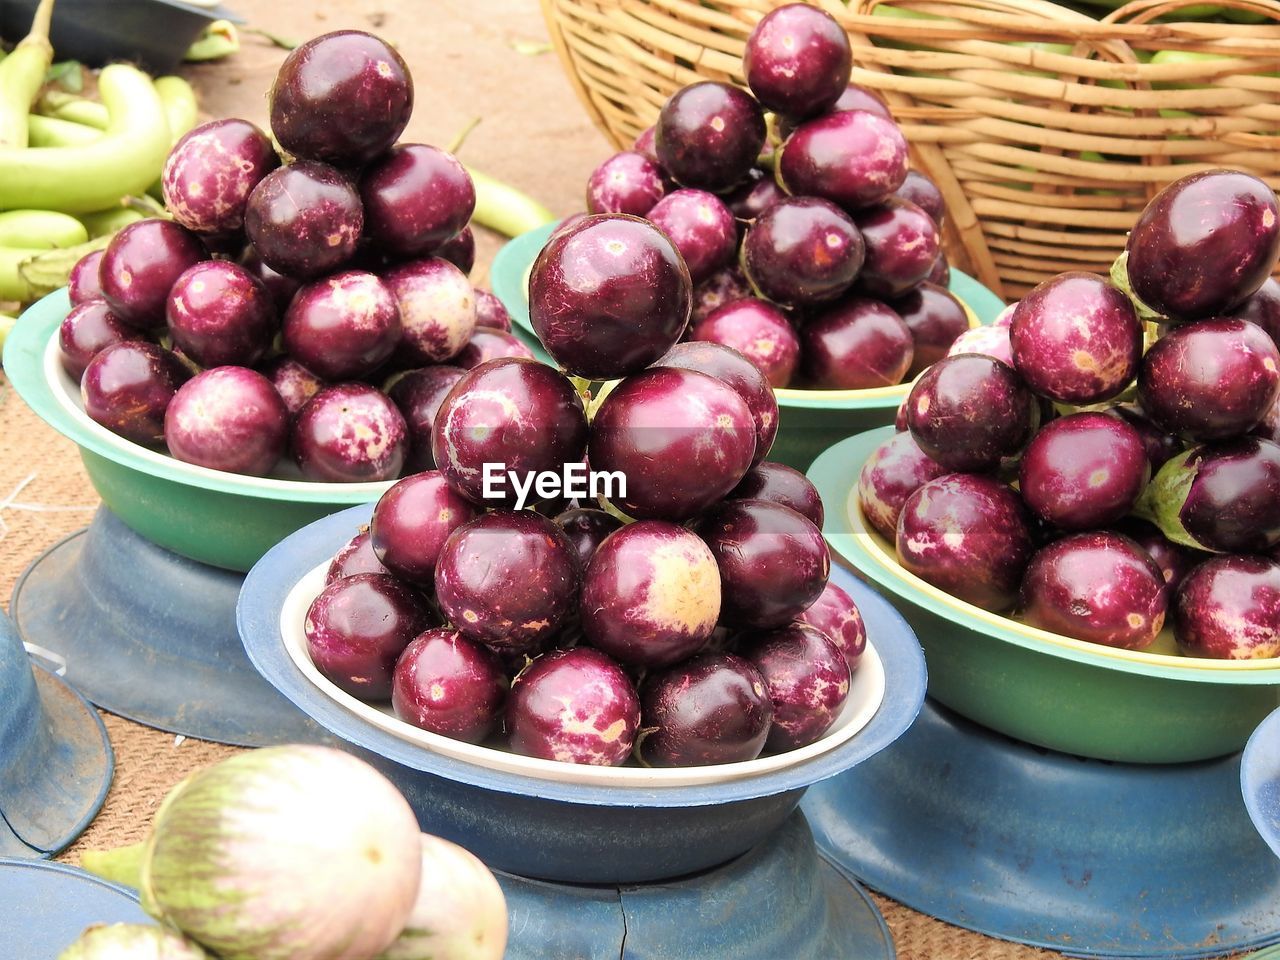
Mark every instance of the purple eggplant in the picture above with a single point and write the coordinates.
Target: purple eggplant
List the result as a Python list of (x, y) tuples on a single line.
[(1076, 339), (140, 266), (802, 250), (853, 158), (349, 433), (1204, 244), (415, 197), (710, 709), (651, 594), (627, 183), (304, 219), (797, 61), (856, 344), (1222, 497), (757, 330), (508, 579), (228, 418), (1228, 608), (219, 313), (681, 439), (609, 296), (969, 536), (211, 171), (779, 483), (128, 386), (342, 98), (1097, 586), (575, 706), (895, 470), (709, 135), (805, 676), (1084, 471), (449, 685), (773, 561), (357, 628), (521, 415), (739, 372), (1211, 379), (970, 411), (411, 523)]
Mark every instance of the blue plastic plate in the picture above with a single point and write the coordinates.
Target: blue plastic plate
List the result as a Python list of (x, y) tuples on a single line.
[(1086, 857), (44, 907), (781, 899), (151, 636)]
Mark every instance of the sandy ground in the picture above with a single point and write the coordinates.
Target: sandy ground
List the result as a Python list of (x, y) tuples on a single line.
[(463, 53)]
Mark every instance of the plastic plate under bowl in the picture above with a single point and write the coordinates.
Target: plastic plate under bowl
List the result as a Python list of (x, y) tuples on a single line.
[(553, 828), (809, 420), (1045, 688), (1081, 856), (218, 518), (44, 907), (866, 693)]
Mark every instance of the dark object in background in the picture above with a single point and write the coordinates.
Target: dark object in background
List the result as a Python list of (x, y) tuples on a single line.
[(151, 33)]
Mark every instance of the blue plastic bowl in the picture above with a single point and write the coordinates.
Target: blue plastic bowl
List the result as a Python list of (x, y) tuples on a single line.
[(561, 831)]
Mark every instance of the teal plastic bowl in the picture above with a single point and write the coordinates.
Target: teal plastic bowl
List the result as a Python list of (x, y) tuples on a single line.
[(1150, 706), (218, 518), (810, 421)]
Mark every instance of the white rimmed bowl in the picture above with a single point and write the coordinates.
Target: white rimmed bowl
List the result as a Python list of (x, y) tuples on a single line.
[(866, 693), (561, 828)]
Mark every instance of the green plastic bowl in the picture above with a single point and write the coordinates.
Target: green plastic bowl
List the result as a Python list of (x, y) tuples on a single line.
[(1150, 706), (810, 421), (222, 519)]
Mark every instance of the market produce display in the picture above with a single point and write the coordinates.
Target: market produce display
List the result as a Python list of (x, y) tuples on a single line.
[(291, 311), (74, 170), (259, 857), (672, 604), (811, 246), (1054, 468)]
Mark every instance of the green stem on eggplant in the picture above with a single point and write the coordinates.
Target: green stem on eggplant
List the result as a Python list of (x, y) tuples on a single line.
[(461, 136), (122, 865), (220, 39), (284, 43), (41, 272)]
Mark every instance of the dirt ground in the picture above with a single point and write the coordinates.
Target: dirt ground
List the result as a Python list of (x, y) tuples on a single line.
[(466, 63)]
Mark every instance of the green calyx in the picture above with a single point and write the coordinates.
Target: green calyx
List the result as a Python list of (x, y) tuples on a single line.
[(1162, 501), (1120, 278)]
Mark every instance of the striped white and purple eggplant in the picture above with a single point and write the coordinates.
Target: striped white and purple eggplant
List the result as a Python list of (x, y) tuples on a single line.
[(460, 913), (284, 853), (131, 941)]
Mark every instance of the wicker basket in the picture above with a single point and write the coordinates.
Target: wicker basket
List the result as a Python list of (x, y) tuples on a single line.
[(1045, 155)]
